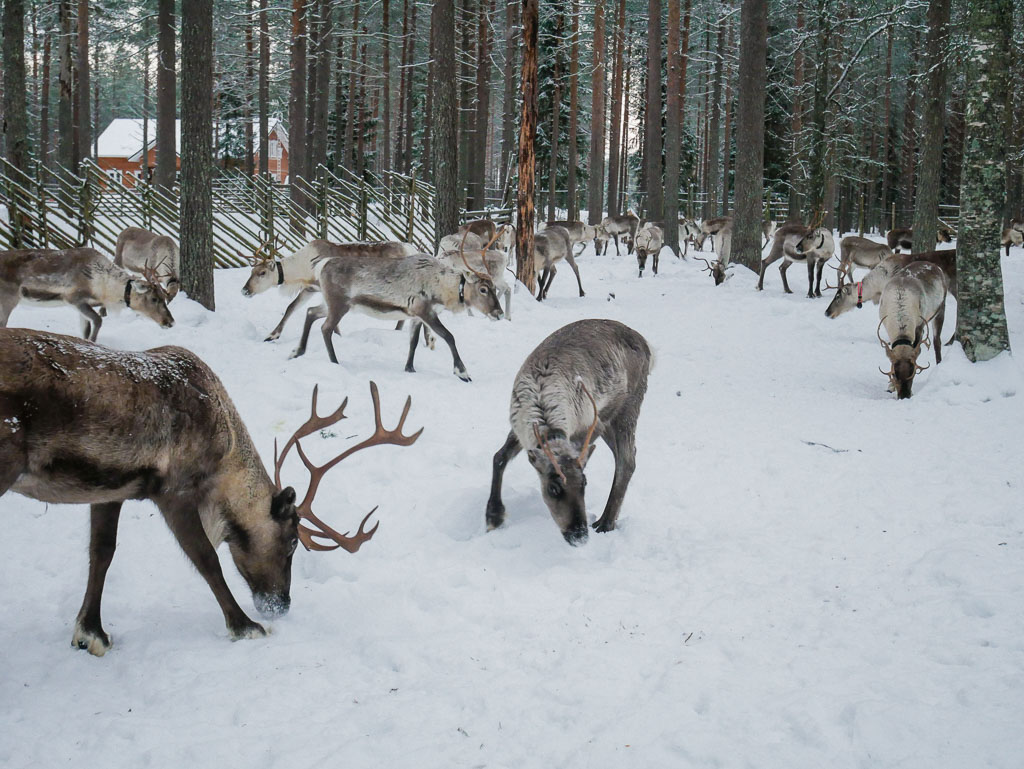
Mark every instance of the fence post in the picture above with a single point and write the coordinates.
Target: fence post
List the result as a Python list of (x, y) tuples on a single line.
[(364, 205), (412, 206), (893, 225), (321, 193), (84, 209), (44, 227)]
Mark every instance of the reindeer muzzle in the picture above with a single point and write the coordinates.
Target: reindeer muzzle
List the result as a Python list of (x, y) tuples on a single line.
[(272, 605)]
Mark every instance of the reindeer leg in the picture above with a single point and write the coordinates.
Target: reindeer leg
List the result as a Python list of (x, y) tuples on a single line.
[(8, 301), (435, 325), (91, 320), (810, 279), (817, 288), (940, 318), (782, 271), (183, 521), (313, 314), (620, 439), (89, 633), (495, 515), (414, 340), (654, 266), (765, 264), (334, 316), (303, 296), (550, 272), (572, 263), (616, 236), (540, 284)]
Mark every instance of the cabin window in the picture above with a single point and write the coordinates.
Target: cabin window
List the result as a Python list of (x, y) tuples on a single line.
[(114, 174), (274, 149)]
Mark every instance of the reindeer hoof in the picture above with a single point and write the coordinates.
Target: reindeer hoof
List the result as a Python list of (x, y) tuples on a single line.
[(410, 369), (245, 632), (295, 353), (96, 643), (463, 375), (272, 338), (601, 526)]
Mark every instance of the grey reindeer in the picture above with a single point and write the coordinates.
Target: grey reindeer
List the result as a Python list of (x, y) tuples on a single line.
[(586, 380), (397, 289)]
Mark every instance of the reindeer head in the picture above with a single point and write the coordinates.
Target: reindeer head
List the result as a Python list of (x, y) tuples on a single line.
[(848, 296), (148, 298), (560, 463), (266, 272), (716, 269), (902, 355), (478, 290), (263, 550)]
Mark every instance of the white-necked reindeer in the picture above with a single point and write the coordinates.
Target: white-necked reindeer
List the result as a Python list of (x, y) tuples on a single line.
[(586, 380), (914, 297), (649, 240), (468, 252), (409, 287), (140, 250), (616, 226), (298, 271), (82, 278)]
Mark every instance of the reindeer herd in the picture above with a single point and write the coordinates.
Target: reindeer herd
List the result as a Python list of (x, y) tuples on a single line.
[(80, 423)]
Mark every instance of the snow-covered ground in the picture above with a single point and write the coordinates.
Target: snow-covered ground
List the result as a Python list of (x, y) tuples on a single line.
[(807, 572)]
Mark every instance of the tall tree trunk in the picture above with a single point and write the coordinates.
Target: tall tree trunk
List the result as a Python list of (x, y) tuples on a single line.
[(508, 123), (684, 60), (556, 105), (95, 135), (981, 324), (672, 130), (428, 111), (926, 207), (478, 166), (410, 95), (264, 90), (886, 192), (67, 152), (616, 148), (250, 78), (796, 170), (574, 68), (144, 162), (297, 108), (714, 168), (341, 117), (352, 108), (727, 131), (386, 89), (325, 47), (197, 150), (403, 88), (82, 80), (652, 124), (527, 154), (44, 104), (446, 213), (15, 110), (166, 98), (623, 202), (361, 136), (908, 165), (746, 229), (314, 23)]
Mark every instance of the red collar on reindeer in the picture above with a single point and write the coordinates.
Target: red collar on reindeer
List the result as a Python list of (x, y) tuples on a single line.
[(860, 294)]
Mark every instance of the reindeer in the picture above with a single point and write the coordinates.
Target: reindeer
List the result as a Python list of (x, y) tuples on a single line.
[(579, 233), (649, 240), (297, 270), (83, 424), (1012, 235), (690, 231), (852, 295), (613, 226), (797, 243), (551, 246), (138, 249), (83, 278), (716, 269), (903, 237), (768, 228), (913, 298), (468, 252), (410, 287), (717, 229), (587, 379), (860, 252)]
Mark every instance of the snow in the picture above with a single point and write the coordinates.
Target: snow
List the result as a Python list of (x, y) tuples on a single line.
[(807, 572)]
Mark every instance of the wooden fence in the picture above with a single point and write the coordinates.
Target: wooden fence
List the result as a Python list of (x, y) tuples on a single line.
[(55, 208)]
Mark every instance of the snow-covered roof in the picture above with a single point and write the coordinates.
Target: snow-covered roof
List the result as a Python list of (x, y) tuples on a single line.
[(123, 137)]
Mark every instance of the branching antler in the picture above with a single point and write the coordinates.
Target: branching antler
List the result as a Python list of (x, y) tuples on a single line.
[(150, 276), (310, 536), (547, 450), (483, 252), (581, 460)]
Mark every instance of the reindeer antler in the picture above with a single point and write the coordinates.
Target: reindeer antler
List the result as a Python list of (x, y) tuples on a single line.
[(547, 450), (590, 433), (462, 253), (878, 332), (309, 536), (708, 266), (150, 276)]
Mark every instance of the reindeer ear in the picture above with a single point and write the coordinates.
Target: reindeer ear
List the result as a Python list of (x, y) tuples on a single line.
[(281, 505), (173, 286)]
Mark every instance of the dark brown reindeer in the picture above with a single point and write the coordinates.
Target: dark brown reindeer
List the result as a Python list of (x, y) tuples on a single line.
[(586, 380), (83, 424)]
